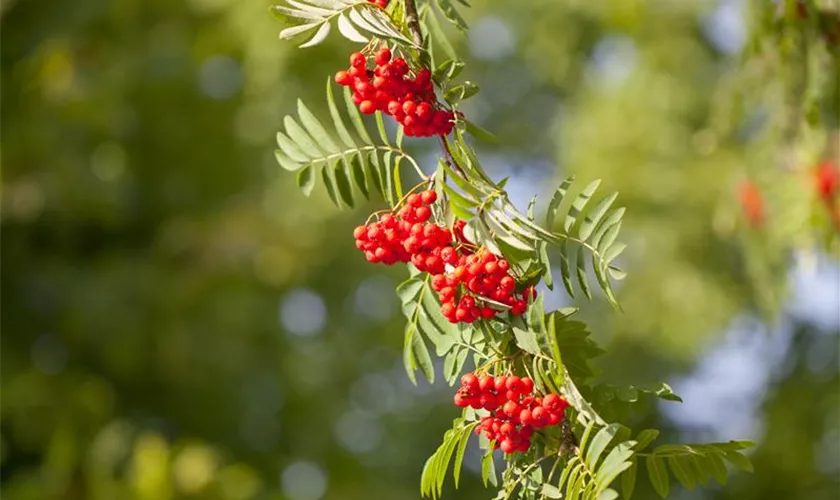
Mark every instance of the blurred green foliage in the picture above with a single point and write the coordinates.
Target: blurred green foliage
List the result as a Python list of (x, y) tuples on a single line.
[(179, 322)]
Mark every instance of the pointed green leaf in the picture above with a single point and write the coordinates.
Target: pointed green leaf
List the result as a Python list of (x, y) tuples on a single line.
[(338, 122), (599, 443), (488, 469), (682, 471), (645, 438), (306, 180), (349, 31), (557, 201), (740, 461), (594, 217), (286, 162), (581, 273), (342, 180), (318, 37), (658, 475), (290, 149), (356, 117), (315, 129), (628, 481)]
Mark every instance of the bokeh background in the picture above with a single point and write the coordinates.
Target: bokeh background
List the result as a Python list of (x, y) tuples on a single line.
[(180, 322)]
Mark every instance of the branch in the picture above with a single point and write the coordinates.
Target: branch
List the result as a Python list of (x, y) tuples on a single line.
[(413, 22)]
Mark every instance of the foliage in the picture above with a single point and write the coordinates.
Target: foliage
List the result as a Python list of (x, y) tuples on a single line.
[(552, 349)]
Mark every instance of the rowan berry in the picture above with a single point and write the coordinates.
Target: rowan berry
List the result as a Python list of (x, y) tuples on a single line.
[(358, 60), (367, 107), (428, 197), (383, 56)]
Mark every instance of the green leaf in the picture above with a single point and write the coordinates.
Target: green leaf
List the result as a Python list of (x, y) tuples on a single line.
[(301, 138), (464, 437), (448, 70), (608, 495), (557, 201), (718, 468), (452, 14), (356, 117), (548, 279), (682, 471), (318, 37), (329, 182), (306, 180), (645, 438), (550, 491), (342, 180), (526, 340), (338, 122), (460, 92), (738, 460), (594, 217), (314, 128), (286, 162), (580, 269), (566, 269), (481, 133), (616, 462), (488, 469), (599, 443), (349, 31), (628, 480), (290, 148), (658, 475)]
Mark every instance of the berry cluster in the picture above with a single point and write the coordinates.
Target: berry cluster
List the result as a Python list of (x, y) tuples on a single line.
[(482, 275), (388, 88), (407, 236), (464, 280), (515, 412), (381, 3)]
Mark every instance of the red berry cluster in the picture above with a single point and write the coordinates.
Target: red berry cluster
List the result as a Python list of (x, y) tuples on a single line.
[(381, 3), (407, 236), (515, 412), (482, 274), (388, 88)]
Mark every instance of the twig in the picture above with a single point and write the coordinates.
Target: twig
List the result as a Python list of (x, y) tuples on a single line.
[(413, 22)]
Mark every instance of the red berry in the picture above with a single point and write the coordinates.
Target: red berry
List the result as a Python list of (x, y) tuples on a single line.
[(409, 107), (508, 446), (449, 255), (428, 197), (383, 56), (507, 283), (367, 107), (394, 107), (503, 265), (527, 385), (460, 401), (414, 200), (360, 233), (470, 381), (422, 213), (461, 314), (551, 402), (499, 382), (438, 282), (343, 78), (447, 294), (448, 310), (525, 417), (540, 416), (487, 312), (485, 383), (358, 60), (511, 408)]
